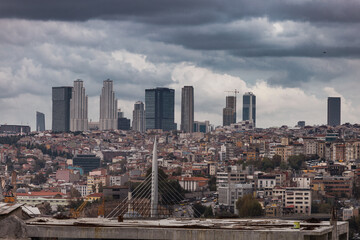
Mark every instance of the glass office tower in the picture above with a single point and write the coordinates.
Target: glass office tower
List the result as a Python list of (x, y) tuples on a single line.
[(249, 107), (334, 111), (159, 109), (61, 109)]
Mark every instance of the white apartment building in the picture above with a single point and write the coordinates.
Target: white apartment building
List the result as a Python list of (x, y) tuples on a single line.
[(266, 182), (225, 178), (82, 189), (118, 180), (300, 199), (302, 182), (228, 195)]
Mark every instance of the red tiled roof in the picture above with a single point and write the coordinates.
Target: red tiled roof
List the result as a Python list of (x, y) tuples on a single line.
[(96, 195)]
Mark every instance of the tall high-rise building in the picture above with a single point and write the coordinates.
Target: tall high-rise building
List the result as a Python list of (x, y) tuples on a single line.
[(187, 109), (61, 108), (229, 112), (159, 109), (249, 107), (108, 107), (138, 123), (78, 108), (334, 111), (40, 122)]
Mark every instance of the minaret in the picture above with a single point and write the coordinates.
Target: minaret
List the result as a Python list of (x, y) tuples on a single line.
[(154, 183)]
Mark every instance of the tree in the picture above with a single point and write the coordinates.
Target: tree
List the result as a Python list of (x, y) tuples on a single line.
[(266, 164), (208, 212), (296, 162), (60, 208), (170, 191), (177, 172), (198, 210), (321, 208), (276, 159), (74, 193), (248, 206), (101, 187), (212, 183), (39, 179)]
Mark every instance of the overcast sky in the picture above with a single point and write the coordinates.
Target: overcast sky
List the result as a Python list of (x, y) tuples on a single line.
[(291, 54)]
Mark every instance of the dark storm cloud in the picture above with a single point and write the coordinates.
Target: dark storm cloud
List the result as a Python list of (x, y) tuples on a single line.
[(187, 12)]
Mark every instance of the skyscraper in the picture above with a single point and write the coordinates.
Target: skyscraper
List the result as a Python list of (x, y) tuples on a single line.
[(229, 112), (187, 109), (78, 108), (61, 109), (249, 107), (40, 122), (334, 111), (138, 123), (108, 107), (159, 109)]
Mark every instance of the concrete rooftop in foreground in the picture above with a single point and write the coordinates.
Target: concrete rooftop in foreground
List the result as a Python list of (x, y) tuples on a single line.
[(209, 229)]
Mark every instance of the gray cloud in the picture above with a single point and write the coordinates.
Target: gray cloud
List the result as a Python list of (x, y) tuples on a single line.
[(182, 12), (52, 43)]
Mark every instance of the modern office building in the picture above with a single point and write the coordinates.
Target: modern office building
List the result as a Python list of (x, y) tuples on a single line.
[(334, 111), (87, 162), (229, 112), (61, 108), (204, 127), (159, 109), (78, 108), (301, 123), (40, 122), (108, 107), (249, 107), (138, 123), (15, 129), (123, 123), (187, 109)]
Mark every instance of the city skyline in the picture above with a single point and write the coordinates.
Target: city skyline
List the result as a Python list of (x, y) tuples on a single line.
[(279, 51)]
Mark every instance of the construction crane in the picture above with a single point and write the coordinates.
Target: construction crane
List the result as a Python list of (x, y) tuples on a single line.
[(8, 189), (235, 92), (76, 213)]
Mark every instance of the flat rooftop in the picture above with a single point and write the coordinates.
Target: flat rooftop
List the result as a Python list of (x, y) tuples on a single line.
[(181, 228), (240, 224)]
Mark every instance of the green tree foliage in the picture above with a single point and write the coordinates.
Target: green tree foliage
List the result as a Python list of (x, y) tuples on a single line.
[(354, 226), (177, 172), (321, 208), (11, 140), (60, 208), (74, 193), (39, 164), (198, 210), (269, 163), (74, 204), (38, 179), (296, 162), (170, 191), (208, 212), (276, 159), (212, 183), (248, 206), (356, 189)]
